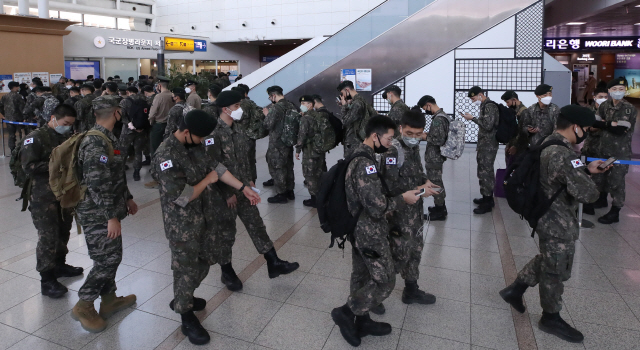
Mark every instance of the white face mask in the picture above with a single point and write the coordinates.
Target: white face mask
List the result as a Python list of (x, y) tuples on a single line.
[(68, 86), (617, 95), (187, 90), (303, 108), (546, 100), (237, 114), (477, 102), (601, 101)]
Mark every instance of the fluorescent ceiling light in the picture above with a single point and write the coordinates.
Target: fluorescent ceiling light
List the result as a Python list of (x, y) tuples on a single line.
[(576, 23), (588, 33), (637, 24)]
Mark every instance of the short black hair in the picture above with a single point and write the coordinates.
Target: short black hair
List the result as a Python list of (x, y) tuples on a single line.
[(130, 78), (239, 90), (13, 84), (317, 98), (112, 87), (75, 89), (132, 89), (64, 111), (345, 84), (379, 124), (88, 87), (89, 77), (590, 73), (97, 83), (563, 123), (109, 78), (182, 96), (147, 88), (245, 87), (116, 77), (215, 90), (413, 119), (600, 90), (39, 88), (37, 82)]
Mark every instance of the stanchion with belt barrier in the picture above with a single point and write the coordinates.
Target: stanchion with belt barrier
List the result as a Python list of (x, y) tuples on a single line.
[(15, 123)]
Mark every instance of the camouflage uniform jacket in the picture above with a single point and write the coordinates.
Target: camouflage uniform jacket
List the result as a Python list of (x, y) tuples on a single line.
[(71, 101), (11, 106), (125, 105), (29, 112), (543, 119), (251, 111), (107, 192), (613, 145), (557, 170), (150, 99), (307, 133), (402, 168), (64, 93), (591, 146), (34, 157), (98, 92), (177, 170), (84, 112), (34, 109), (213, 110), (230, 146), (176, 115), (365, 194), (436, 138), (521, 141), (274, 122), (487, 122), (352, 114), (396, 112)]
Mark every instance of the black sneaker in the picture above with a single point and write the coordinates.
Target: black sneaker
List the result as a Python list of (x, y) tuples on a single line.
[(192, 328), (198, 304), (53, 289), (268, 183), (345, 320), (278, 199), (554, 324)]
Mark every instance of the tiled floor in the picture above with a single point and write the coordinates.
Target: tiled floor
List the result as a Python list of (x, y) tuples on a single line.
[(461, 265)]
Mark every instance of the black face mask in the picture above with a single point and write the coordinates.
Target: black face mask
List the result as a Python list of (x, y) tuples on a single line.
[(428, 112), (381, 148), (190, 145), (348, 97), (513, 106), (580, 139)]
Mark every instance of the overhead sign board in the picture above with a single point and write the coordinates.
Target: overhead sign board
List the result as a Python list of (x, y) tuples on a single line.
[(603, 43), (178, 44)]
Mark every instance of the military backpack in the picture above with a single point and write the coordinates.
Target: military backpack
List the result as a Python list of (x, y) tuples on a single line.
[(370, 112), (64, 175), (20, 178), (290, 128), (255, 129), (507, 124), (324, 139), (454, 146)]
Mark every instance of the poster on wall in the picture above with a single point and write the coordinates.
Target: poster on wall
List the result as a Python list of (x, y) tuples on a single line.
[(348, 74), (78, 70), (4, 82), (44, 76), (22, 78), (54, 77), (628, 66), (363, 79)]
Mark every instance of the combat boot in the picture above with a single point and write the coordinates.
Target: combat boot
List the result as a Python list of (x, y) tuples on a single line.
[(612, 216), (136, 175), (588, 209), (290, 195), (438, 214), (366, 326), (198, 304), (111, 304), (146, 161), (378, 310), (64, 270), (486, 206), (192, 328), (229, 278), (50, 286), (480, 200), (554, 324), (279, 198), (89, 319), (602, 201), (345, 320), (513, 295), (268, 183), (277, 267), (412, 294), (311, 202)]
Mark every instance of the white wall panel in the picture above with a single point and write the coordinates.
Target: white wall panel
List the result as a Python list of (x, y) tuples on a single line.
[(484, 53), (502, 35), (435, 79)]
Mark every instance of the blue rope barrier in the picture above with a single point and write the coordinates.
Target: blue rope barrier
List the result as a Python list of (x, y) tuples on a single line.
[(19, 123), (625, 162)]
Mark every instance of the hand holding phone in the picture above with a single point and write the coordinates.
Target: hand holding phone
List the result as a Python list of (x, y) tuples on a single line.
[(607, 163), (421, 192)]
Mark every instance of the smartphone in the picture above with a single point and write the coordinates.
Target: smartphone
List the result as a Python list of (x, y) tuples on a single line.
[(437, 189), (338, 99), (421, 192), (607, 163)]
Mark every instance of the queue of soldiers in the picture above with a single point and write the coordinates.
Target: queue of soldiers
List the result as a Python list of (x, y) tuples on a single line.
[(203, 161)]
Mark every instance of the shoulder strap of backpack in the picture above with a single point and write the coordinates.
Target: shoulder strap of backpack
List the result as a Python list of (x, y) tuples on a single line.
[(104, 137), (366, 155)]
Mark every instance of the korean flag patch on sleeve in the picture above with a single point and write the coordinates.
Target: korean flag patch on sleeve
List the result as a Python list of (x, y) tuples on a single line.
[(391, 161), (28, 141), (577, 163), (208, 142), (371, 169), (104, 159), (166, 165)]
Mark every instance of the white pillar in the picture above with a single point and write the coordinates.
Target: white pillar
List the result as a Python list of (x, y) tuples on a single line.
[(43, 8), (194, 67), (23, 7)]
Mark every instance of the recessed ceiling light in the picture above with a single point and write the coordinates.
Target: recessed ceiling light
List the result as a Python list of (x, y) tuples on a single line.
[(588, 33), (576, 23)]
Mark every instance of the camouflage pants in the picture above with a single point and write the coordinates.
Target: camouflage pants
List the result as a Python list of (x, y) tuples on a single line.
[(140, 141), (434, 174), (550, 268), (613, 183), (250, 217), (106, 254), (485, 157), (372, 279), (280, 161), (221, 236), (406, 246), (252, 160), (53, 225), (12, 129), (189, 265), (312, 170)]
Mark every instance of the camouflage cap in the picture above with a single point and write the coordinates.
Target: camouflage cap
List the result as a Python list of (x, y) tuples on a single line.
[(106, 101)]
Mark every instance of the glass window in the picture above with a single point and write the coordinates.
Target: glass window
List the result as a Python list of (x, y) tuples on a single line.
[(124, 23), (124, 67), (99, 21), (75, 17), (13, 10)]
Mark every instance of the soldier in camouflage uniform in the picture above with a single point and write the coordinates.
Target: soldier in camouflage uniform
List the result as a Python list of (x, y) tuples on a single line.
[(107, 201), (130, 136), (312, 160), (229, 145), (52, 222), (539, 119), (374, 275), (149, 94), (33, 109), (402, 170), (398, 107), (252, 125), (487, 147), (279, 156), (177, 112), (64, 90), (11, 106), (84, 110), (28, 112), (618, 124), (74, 96), (212, 108), (354, 115), (558, 228), (434, 160), (520, 142), (592, 148)]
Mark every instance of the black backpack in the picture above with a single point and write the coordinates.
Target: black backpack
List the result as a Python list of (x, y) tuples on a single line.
[(522, 185), (138, 113), (507, 127), (336, 124), (333, 211)]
